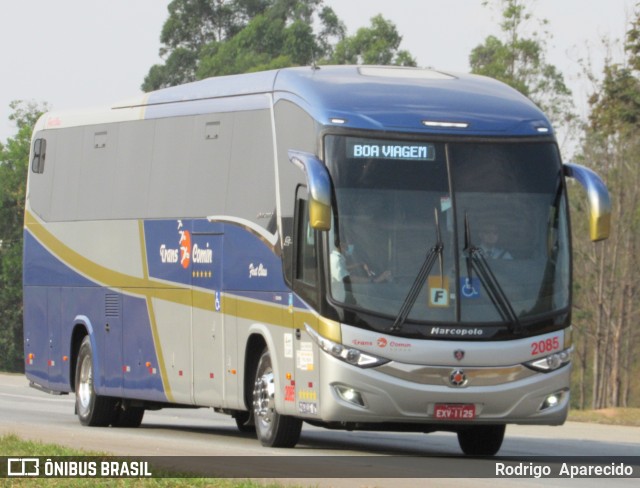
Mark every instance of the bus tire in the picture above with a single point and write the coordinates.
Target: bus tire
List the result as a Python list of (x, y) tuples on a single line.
[(481, 440), (272, 429), (244, 422), (129, 417), (92, 410)]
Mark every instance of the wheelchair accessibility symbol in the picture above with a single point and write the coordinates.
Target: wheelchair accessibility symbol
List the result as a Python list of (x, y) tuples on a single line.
[(470, 287)]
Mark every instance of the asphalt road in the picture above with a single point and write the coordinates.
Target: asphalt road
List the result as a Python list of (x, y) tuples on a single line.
[(187, 434)]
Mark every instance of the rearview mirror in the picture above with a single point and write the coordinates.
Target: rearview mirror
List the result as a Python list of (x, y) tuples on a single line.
[(598, 195), (319, 186)]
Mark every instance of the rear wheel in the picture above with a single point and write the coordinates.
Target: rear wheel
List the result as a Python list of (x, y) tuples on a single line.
[(481, 440), (272, 429), (92, 410)]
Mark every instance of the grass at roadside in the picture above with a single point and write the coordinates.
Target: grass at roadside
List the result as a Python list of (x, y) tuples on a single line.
[(15, 447), (609, 416)]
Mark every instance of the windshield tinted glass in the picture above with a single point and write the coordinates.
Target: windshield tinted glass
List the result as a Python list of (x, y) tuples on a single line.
[(395, 200)]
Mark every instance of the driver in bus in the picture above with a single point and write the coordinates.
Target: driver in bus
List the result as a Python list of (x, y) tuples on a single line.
[(489, 238), (343, 266)]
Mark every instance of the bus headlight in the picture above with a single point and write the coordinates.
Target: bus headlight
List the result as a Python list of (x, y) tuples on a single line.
[(347, 354), (552, 362)]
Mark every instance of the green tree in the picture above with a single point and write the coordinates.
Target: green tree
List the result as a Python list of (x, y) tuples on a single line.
[(203, 38), (14, 160), (265, 43), (518, 58), (191, 25), (378, 44), (278, 33), (609, 294)]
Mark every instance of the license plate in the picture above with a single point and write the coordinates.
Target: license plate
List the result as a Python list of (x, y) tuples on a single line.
[(454, 411)]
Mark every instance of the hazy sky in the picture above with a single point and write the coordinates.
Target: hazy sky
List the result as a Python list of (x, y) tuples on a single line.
[(78, 53)]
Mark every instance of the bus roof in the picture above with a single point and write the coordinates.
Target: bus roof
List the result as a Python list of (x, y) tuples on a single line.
[(357, 97)]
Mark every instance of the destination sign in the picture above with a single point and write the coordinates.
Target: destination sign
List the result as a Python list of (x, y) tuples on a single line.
[(378, 149)]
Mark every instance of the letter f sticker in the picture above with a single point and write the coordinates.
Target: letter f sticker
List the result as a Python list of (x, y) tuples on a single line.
[(438, 292)]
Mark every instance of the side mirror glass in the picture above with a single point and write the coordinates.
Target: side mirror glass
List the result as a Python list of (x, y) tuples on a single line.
[(598, 195)]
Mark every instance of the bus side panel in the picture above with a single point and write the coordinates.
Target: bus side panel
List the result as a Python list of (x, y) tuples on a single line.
[(141, 363), (84, 306), (208, 355), (108, 333), (36, 350), (47, 325), (172, 335), (208, 322), (58, 353), (50, 318), (255, 294)]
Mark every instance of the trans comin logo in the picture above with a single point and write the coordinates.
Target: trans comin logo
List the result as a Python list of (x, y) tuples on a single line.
[(186, 252)]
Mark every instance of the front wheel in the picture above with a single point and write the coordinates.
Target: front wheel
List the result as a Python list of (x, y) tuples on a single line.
[(92, 410), (128, 416), (481, 440), (272, 429), (244, 421)]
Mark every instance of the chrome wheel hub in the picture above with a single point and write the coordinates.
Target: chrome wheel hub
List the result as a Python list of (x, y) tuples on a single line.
[(263, 398), (85, 384)]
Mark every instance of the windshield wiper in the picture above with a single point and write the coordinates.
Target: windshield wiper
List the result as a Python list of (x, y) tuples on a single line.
[(425, 269), (477, 261)]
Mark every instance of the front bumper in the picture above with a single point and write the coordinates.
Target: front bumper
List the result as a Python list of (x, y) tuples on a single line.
[(399, 393)]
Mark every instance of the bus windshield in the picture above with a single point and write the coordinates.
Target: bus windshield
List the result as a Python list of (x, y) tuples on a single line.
[(448, 232)]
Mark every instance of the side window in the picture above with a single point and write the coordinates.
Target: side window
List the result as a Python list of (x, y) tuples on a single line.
[(306, 258), (39, 155), (305, 261)]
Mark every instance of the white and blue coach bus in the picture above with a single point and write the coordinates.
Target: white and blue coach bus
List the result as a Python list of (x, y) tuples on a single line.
[(354, 247)]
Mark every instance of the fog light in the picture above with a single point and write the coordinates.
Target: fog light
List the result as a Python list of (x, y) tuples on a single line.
[(349, 395), (552, 400)]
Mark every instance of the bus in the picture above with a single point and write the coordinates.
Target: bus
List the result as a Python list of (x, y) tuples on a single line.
[(306, 245)]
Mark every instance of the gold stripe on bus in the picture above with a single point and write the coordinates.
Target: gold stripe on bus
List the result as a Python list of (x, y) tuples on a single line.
[(143, 250), (156, 344), (166, 385), (254, 310)]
